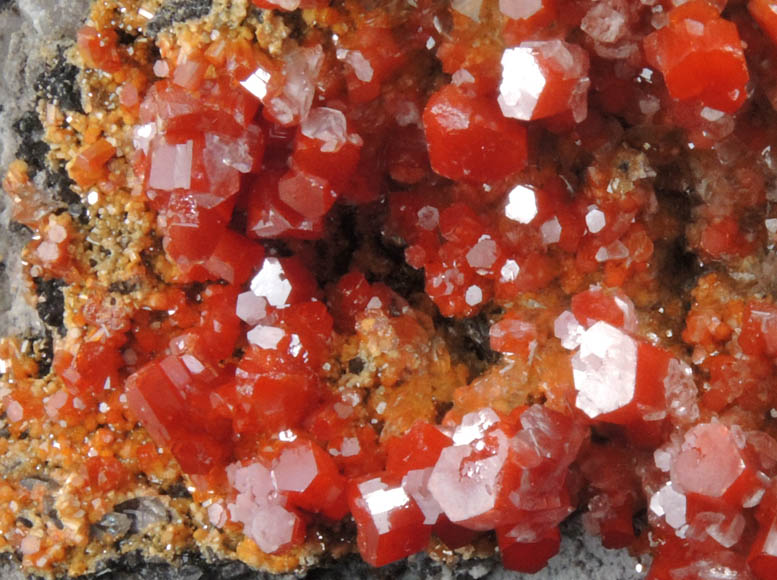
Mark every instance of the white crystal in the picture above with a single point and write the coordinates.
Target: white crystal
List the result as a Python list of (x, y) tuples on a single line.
[(464, 486), (483, 254), (551, 231), (326, 125), (350, 447), (522, 83), (428, 217), (142, 136), (462, 77), (374, 303), (680, 391), (301, 70), (469, 8), (251, 308), (670, 504), (663, 459), (271, 283), (727, 533), (360, 65), (171, 166), (161, 69), (568, 330), (711, 115), (474, 425), (520, 9), (271, 527), (256, 83), (265, 336), (509, 271), (615, 251), (416, 484), (605, 22), (473, 295), (595, 220), (521, 204), (604, 370)]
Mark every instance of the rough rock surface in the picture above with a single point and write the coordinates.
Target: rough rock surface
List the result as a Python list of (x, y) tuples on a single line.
[(32, 34)]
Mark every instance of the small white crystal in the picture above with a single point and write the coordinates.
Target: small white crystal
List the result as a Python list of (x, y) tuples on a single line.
[(326, 125), (256, 83), (670, 504), (474, 425), (727, 533), (301, 69), (473, 295), (462, 77), (551, 231), (520, 9), (142, 136), (271, 283), (568, 330), (374, 303), (522, 83), (350, 447), (266, 337), (681, 393), (663, 459), (171, 166), (483, 254), (521, 204), (509, 271), (711, 114), (615, 251), (360, 65), (469, 8), (161, 69), (604, 370), (605, 22), (416, 484), (428, 217), (595, 220)]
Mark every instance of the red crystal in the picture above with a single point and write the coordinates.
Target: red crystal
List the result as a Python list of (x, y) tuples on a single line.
[(171, 398), (700, 56), (106, 473), (544, 78), (470, 139), (309, 477), (262, 399), (92, 369), (528, 557), (99, 48), (390, 525), (370, 58), (89, 166)]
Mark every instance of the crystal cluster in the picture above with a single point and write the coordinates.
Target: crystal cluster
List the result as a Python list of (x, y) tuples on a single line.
[(586, 192)]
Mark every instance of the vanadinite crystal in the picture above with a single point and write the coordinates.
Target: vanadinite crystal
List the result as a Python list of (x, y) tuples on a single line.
[(417, 276)]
